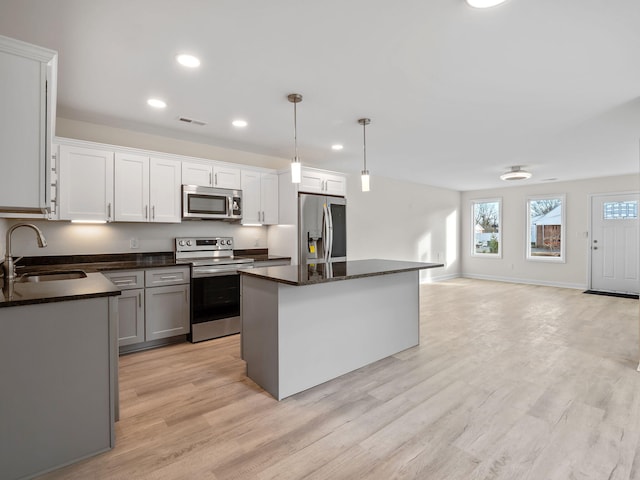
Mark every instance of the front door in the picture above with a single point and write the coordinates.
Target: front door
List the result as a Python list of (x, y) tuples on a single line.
[(614, 243)]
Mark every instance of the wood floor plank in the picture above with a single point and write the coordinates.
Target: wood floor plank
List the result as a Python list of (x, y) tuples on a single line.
[(509, 382)]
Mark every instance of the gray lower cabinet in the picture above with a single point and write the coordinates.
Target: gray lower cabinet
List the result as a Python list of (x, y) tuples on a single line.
[(154, 305), (58, 368), (166, 311)]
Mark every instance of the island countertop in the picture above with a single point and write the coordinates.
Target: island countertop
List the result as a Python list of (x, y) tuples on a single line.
[(299, 275)]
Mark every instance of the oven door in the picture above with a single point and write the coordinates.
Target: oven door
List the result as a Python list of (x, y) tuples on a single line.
[(215, 305)]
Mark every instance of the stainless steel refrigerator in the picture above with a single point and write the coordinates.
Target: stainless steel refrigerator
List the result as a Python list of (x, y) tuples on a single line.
[(322, 228)]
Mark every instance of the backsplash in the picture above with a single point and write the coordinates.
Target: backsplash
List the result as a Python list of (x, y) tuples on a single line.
[(65, 238)]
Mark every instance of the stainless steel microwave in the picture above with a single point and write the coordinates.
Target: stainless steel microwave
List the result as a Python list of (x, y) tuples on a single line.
[(207, 203)]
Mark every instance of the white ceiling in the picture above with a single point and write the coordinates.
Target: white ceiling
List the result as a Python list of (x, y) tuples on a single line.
[(456, 95)]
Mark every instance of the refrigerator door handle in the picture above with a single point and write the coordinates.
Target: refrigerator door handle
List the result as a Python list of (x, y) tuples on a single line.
[(330, 235), (326, 233)]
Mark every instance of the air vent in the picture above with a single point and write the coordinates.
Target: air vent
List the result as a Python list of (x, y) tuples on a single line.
[(192, 120)]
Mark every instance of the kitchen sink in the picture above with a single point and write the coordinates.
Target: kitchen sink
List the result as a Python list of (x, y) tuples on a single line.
[(36, 277)]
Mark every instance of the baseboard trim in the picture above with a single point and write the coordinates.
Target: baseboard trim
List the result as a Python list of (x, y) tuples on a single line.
[(526, 281), (439, 278)]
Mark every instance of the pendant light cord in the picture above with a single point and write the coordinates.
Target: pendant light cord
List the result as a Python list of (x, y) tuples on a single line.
[(295, 130), (364, 145)]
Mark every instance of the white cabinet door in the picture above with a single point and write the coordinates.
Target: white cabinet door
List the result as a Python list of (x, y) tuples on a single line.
[(166, 311), (269, 198), (335, 184), (27, 106), (311, 181), (165, 178), (226, 177), (131, 317), (251, 203), (131, 186), (85, 182), (197, 174)]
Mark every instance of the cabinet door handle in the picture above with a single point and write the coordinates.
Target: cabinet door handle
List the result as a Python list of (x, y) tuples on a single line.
[(210, 179), (109, 211), (146, 211), (216, 179), (153, 212), (140, 300)]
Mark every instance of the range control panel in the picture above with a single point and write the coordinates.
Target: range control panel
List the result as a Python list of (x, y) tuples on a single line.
[(203, 244)]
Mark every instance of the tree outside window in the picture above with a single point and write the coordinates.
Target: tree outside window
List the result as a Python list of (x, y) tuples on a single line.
[(545, 228), (486, 220)]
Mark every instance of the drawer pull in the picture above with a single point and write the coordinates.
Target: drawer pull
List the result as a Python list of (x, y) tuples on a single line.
[(168, 277), (124, 282)]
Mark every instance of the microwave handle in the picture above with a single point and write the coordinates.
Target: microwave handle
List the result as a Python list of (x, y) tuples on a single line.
[(230, 202)]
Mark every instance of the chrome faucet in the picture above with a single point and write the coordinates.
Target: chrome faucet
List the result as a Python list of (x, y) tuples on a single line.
[(9, 266)]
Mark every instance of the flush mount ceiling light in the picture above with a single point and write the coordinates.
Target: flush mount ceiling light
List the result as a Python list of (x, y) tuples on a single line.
[(516, 173), (239, 123), (156, 103), (296, 167), (337, 147), (484, 3), (365, 173), (188, 60)]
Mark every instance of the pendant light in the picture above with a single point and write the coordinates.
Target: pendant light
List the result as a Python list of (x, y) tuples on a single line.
[(365, 173), (296, 167)]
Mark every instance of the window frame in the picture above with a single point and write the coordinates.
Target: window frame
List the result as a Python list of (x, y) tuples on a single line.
[(474, 202), (563, 229)]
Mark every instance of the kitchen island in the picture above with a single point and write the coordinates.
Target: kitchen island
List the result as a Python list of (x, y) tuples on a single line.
[(305, 325)]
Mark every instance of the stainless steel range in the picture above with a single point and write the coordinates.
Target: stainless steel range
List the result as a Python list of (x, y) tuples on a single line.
[(215, 285)]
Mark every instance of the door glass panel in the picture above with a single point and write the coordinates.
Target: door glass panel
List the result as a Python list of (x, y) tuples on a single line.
[(620, 210)]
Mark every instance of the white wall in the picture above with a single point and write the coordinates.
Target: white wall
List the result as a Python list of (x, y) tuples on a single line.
[(128, 138), (404, 221), (513, 265), (66, 238)]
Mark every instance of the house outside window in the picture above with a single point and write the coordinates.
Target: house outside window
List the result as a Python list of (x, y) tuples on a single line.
[(486, 226), (546, 228)]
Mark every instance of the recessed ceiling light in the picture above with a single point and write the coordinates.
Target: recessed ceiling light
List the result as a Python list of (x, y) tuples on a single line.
[(337, 146), (188, 60), (239, 123), (484, 3), (156, 103)]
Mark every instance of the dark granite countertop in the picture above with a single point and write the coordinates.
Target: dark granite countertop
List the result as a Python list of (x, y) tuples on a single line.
[(94, 285), (299, 275)]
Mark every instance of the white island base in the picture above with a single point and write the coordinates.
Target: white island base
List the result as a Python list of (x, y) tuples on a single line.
[(295, 337)]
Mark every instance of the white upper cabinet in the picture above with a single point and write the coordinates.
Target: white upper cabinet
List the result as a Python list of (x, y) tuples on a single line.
[(226, 177), (147, 190), (269, 198), (199, 174), (259, 197), (165, 179), (210, 175), (131, 188), (317, 181), (27, 114), (85, 181)]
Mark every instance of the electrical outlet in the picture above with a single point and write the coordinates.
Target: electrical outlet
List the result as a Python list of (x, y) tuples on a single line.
[(134, 243)]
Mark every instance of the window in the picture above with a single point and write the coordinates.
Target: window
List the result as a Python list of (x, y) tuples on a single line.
[(546, 228), (620, 210), (486, 220)]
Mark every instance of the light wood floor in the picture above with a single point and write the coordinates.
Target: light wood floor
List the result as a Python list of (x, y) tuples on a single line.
[(509, 382)]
